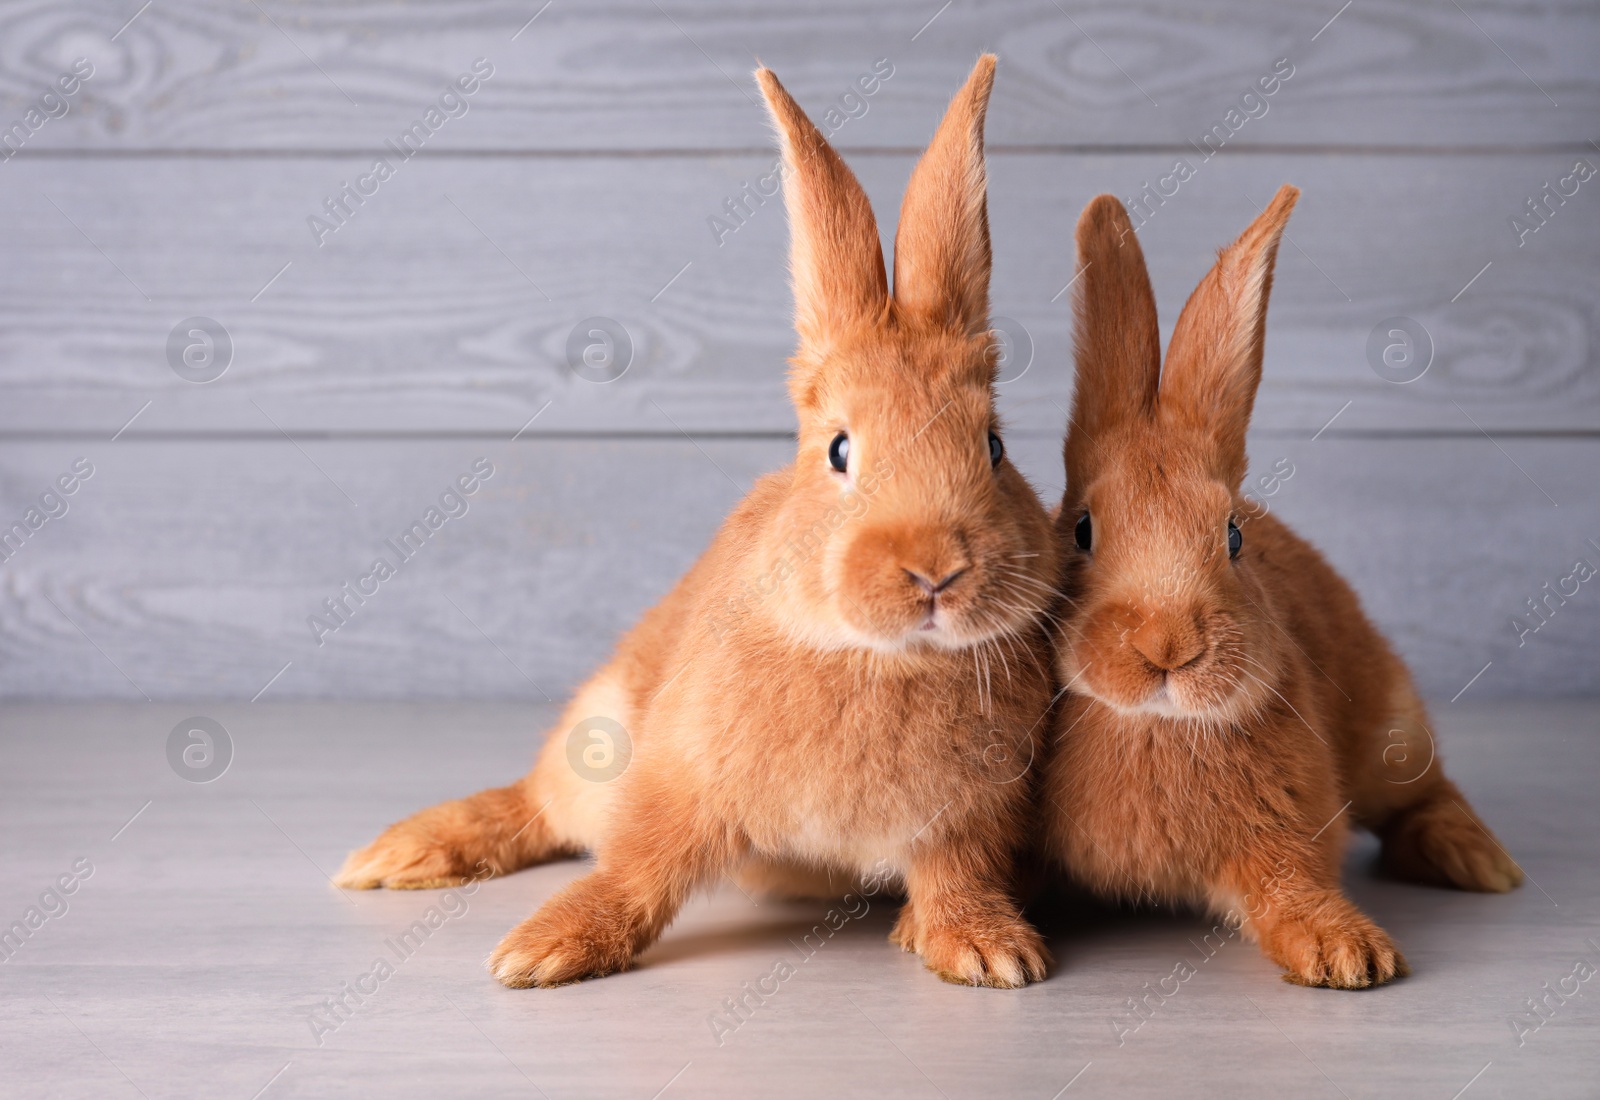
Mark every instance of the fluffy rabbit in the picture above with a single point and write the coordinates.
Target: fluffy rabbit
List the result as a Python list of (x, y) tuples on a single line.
[(853, 677), (1230, 701)]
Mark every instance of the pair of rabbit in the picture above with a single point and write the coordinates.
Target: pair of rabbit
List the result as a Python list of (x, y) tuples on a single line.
[(833, 690)]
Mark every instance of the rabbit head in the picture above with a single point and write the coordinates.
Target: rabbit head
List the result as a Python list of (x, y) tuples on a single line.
[(904, 525), (1167, 614)]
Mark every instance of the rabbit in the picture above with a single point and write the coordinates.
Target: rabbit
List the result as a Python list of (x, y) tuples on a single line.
[(1229, 701), (852, 680)]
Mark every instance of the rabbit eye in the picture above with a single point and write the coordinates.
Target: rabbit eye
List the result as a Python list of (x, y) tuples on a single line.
[(1084, 533), (1235, 539), (839, 452), (997, 450)]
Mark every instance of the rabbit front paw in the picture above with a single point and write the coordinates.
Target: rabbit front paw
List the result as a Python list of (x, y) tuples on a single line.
[(582, 932), (997, 949), (1335, 947)]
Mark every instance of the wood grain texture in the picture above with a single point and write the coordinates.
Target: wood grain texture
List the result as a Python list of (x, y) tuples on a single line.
[(192, 957), (443, 318), (447, 300), (190, 569), (641, 76)]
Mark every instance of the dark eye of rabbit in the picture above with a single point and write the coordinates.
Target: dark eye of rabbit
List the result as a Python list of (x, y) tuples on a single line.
[(997, 450), (1235, 539), (839, 452), (1084, 533)]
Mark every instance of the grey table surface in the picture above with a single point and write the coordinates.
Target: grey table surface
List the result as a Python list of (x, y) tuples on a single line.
[(202, 933)]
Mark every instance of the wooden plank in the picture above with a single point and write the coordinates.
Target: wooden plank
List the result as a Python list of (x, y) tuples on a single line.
[(447, 301), (194, 567), (636, 75)]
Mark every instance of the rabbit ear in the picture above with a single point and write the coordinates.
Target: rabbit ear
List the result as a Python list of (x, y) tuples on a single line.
[(1116, 344), (835, 258), (941, 250), (1214, 361)]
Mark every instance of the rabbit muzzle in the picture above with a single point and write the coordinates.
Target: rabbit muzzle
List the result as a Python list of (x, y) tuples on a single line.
[(1174, 661), (932, 584)]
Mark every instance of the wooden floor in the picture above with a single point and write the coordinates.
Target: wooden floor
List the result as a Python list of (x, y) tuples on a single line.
[(201, 936)]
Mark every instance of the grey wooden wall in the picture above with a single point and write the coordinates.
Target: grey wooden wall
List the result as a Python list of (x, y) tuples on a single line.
[(373, 364)]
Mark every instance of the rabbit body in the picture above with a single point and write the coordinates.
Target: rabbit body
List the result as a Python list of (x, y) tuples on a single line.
[(1232, 707), (852, 678)]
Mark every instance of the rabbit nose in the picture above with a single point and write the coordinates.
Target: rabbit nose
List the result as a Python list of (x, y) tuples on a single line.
[(932, 587), (1167, 646)]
